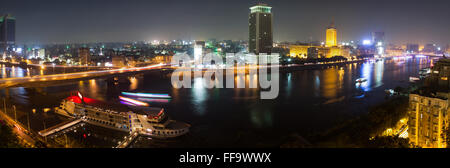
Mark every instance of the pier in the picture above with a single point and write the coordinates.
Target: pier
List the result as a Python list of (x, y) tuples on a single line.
[(59, 127), (128, 140)]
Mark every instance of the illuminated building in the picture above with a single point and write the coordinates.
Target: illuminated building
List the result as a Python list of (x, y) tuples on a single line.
[(428, 119), (421, 47), (84, 55), (334, 51), (331, 49), (367, 42), (429, 109), (41, 53), (300, 51), (305, 51), (394, 52), (331, 39), (165, 59), (378, 40), (7, 33), (260, 29), (198, 52), (440, 73)]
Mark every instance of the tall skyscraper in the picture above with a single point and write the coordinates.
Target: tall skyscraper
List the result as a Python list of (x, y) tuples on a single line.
[(260, 29), (331, 36), (7, 33), (378, 37), (198, 52), (84, 55), (378, 40)]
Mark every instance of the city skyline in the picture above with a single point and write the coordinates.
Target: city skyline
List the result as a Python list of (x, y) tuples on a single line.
[(228, 74), (83, 21)]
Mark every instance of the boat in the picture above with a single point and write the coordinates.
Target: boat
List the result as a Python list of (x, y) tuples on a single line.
[(149, 121), (389, 91), (413, 79), (361, 80), (423, 73), (149, 95)]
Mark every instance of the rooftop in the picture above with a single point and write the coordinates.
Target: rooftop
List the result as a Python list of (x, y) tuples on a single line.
[(2, 17), (332, 26), (261, 8)]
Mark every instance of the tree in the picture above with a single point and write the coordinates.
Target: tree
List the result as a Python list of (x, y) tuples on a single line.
[(388, 142)]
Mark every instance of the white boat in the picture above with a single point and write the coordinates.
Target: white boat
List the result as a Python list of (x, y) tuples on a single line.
[(413, 79), (423, 73), (149, 121), (361, 80), (389, 91)]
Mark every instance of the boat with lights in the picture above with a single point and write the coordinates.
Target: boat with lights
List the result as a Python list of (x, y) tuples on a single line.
[(150, 121), (361, 80), (147, 95)]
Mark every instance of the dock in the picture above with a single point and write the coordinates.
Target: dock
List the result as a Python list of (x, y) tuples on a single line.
[(128, 140), (59, 127)]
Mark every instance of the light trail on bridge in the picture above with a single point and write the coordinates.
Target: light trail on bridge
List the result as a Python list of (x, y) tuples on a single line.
[(8, 82)]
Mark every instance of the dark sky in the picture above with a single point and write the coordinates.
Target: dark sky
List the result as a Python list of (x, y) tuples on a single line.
[(46, 21)]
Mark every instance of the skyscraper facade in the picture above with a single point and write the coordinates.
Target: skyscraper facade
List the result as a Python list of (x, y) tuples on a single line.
[(260, 29), (378, 40), (7, 33), (378, 37), (331, 39)]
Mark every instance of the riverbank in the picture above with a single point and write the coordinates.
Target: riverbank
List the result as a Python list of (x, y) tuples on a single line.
[(358, 132), (295, 67), (282, 68)]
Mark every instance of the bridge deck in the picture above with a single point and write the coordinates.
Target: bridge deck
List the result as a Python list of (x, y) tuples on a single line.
[(47, 79)]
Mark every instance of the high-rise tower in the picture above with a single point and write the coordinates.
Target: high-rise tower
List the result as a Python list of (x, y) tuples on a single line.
[(260, 29), (378, 40), (331, 36), (7, 33)]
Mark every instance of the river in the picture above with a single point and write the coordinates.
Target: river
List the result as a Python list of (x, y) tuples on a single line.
[(309, 101)]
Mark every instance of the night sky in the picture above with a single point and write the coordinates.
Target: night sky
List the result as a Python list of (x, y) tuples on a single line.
[(60, 21)]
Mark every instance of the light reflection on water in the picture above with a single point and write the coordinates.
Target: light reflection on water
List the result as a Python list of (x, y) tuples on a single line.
[(366, 73), (199, 95), (379, 70)]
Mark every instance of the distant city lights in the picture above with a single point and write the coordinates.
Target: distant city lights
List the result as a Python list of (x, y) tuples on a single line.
[(367, 42)]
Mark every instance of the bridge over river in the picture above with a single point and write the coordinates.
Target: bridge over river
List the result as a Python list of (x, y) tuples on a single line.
[(55, 79)]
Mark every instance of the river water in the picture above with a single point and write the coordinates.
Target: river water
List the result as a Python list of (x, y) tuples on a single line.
[(309, 101)]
